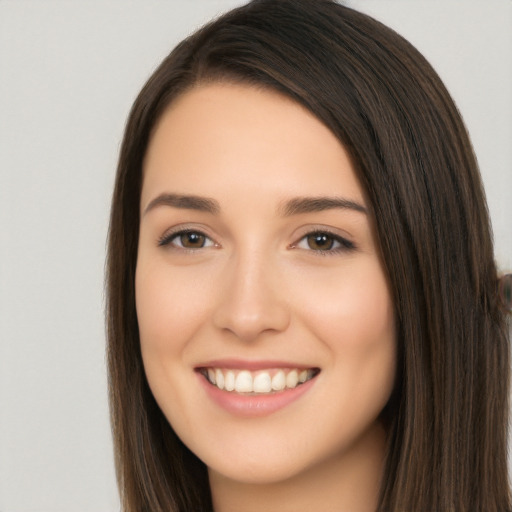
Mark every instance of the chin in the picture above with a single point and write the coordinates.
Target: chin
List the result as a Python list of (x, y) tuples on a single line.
[(260, 472)]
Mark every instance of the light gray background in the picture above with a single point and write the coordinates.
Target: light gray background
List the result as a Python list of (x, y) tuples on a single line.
[(69, 71)]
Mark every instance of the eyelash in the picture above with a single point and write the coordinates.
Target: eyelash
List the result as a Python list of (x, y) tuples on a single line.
[(344, 245), (167, 239)]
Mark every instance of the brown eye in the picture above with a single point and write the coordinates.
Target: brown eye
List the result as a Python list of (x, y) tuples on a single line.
[(186, 239), (192, 240), (320, 241), (323, 242)]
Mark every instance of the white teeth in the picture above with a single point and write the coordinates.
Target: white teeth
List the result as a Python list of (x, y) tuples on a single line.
[(244, 381), (262, 383), (292, 379), (219, 379), (279, 381), (229, 381)]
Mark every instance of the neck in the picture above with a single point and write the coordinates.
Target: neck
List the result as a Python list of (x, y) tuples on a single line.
[(346, 482)]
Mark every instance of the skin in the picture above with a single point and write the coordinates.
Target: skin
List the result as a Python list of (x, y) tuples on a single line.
[(259, 289)]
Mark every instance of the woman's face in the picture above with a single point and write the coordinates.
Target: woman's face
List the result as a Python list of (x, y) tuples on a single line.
[(266, 322)]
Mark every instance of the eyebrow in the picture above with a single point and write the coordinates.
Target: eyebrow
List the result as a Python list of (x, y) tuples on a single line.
[(300, 205), (202, 204), (294, 206)]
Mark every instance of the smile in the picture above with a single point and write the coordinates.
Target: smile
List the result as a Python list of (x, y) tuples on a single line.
[(259, 382)]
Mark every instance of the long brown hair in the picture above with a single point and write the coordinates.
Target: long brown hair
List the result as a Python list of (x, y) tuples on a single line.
[(448, 414)]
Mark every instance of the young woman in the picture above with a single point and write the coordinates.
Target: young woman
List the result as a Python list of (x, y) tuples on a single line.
[(302, 297)]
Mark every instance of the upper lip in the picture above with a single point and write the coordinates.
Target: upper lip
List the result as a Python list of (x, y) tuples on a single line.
[(243, 364)]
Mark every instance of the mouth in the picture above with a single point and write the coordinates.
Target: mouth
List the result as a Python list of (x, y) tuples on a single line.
[(261, 382)]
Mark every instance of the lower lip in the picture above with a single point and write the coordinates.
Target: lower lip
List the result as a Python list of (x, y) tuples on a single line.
[(254, 405)]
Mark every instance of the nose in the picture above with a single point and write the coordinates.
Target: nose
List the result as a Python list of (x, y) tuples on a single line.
[(252, 299)]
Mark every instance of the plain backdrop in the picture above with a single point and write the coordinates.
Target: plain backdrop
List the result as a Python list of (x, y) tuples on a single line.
[(69, 71)]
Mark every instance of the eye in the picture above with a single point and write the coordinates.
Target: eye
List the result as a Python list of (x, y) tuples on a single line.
[(186, 239), (323, 242)]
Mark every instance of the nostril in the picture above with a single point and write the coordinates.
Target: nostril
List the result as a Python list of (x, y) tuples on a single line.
[(249, 320)]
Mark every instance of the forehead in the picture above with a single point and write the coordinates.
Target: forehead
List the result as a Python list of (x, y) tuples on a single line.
[(220, 137)]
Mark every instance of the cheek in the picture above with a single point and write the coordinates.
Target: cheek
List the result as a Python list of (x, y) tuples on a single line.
[(170, 305), (353, 308), (169, 311), (353, 315)]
